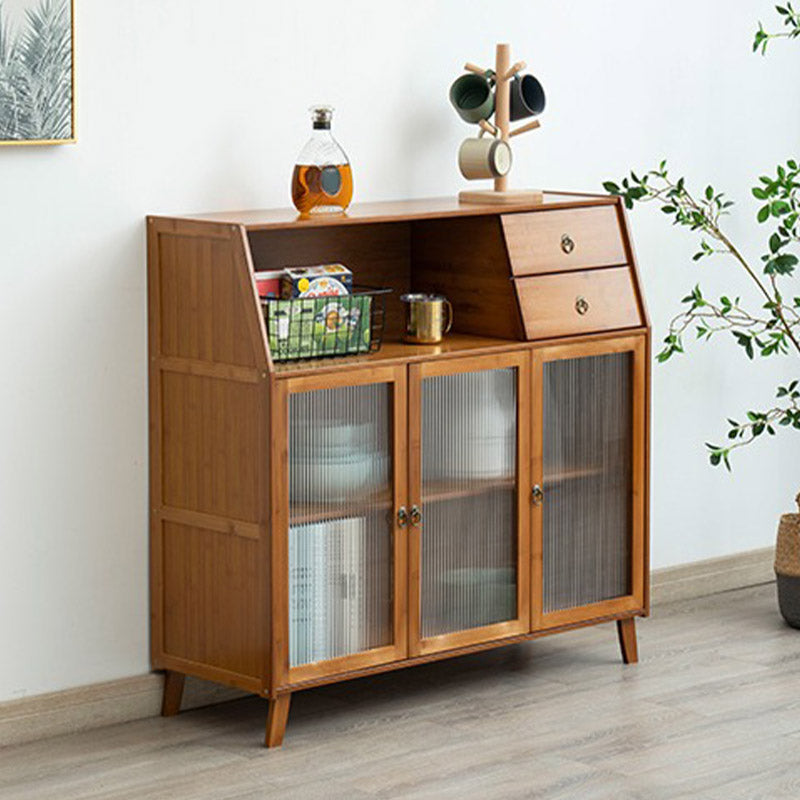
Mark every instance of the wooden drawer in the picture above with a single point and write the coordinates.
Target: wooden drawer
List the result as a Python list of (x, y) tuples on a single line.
[(577, 302), (571, 238)]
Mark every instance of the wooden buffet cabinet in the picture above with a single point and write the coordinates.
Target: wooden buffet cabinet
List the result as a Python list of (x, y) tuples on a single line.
[(321, 520)]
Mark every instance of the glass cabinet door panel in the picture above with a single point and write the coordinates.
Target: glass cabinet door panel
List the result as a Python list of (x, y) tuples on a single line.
[(587, 458), (340, 524), (468, 559)]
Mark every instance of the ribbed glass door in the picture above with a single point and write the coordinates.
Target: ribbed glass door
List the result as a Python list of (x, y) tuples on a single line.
[(590, 512), (341, 539), (468, 542)]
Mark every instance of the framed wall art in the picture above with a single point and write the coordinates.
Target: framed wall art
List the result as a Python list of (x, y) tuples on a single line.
[(37, 72)]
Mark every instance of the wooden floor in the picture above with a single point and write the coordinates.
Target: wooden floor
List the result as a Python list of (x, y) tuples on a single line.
[(711, 711)]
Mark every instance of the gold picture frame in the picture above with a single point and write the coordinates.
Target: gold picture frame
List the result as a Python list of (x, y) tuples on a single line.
[(72, 138)]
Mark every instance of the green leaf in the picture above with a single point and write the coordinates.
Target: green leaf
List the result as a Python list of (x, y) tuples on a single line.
[(779, 207), (781, 265), (746, 342), (763, 214)]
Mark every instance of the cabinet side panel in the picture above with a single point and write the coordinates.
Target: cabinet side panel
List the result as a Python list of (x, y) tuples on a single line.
[(210, 598), (211, 446), (633, 261), (209, 468), (203, 309)]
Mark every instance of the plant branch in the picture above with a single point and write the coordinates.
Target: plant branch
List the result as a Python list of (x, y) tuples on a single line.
[(778, 307), (778, 331), (743, 434), (704, 215), (791, 19)]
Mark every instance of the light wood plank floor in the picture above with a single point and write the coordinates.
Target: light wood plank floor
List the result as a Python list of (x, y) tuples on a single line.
[(711, 711)]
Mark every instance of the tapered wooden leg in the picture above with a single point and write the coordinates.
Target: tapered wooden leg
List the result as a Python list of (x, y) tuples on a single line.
[(626, 630), (276, 720), (173, 692)]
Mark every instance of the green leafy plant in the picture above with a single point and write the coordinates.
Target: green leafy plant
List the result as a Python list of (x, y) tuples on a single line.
[(36, 73), (768, 325), (791, 19)]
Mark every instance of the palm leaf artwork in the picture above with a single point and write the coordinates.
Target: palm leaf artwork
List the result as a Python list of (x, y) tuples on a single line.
[(36, 73)]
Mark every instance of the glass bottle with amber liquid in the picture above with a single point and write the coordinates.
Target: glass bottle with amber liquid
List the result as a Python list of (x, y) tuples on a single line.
[(322, 182)]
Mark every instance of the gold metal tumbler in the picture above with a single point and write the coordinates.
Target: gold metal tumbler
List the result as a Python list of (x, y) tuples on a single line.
[(426, 321)]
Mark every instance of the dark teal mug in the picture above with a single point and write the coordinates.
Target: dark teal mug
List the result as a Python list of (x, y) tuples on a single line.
[(472, 96), (527, 97)]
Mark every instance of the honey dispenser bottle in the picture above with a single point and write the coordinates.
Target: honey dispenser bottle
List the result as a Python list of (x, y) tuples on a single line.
[(322, 182)]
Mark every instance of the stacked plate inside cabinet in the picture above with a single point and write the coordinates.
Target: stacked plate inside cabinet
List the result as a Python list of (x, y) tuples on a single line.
[(480, 595), (470, 425), (332, 461)]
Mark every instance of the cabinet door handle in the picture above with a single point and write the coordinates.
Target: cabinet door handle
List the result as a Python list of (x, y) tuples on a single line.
[(567, 243), (537, 495), (402, 517), (581, 305), (415, 516)]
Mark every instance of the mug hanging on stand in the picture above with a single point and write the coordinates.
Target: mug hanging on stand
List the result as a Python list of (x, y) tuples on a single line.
[(472, 96), (484, 158), (527, 97)]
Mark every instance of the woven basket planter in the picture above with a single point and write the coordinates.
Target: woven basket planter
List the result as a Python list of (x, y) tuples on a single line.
[(787, 567)]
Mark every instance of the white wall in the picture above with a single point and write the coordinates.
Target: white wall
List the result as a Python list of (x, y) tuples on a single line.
[(195, 105)]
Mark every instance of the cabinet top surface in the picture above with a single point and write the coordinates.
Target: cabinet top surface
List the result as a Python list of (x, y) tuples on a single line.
[(393, 211)]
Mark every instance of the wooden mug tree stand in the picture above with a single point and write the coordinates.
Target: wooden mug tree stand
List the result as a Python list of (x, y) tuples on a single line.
[(504, 72)]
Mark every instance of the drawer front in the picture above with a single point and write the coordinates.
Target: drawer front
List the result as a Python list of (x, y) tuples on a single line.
[(577, 302), (564, 239)]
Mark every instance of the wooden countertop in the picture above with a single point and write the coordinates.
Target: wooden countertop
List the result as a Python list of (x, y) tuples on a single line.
[(392, 211)]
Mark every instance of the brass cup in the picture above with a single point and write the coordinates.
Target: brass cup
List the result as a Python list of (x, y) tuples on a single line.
[(426, 321)]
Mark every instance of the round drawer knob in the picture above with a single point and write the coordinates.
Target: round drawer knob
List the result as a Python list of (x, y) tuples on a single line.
[(581, 305), (567, 243)]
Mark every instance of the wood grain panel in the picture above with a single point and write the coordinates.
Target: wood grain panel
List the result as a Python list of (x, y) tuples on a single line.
[(549, 303), (535, 246), (377, 255), (466, 261), (211, 612), (209, 522), (202, 306), (211, 446)]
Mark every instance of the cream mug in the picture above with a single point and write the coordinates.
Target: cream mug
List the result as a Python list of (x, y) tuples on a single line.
[(425, 318), (484, 158)]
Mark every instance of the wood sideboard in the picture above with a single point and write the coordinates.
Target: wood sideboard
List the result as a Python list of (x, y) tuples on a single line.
[(321, 520)]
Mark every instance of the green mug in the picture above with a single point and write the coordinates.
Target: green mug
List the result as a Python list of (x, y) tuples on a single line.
[(472, 96)]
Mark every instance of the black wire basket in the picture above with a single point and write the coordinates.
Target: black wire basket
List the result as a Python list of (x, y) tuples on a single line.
[(321, 327)]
